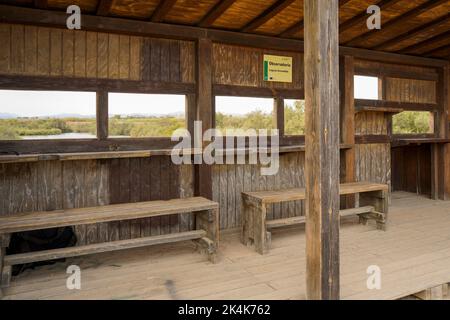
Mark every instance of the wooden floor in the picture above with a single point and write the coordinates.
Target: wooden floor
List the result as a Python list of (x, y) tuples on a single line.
[(414, 254)]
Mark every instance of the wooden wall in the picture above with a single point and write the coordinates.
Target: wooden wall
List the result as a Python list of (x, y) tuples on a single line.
[(51, 185), (411, 169), (30, 50), (409, 90), (235, 65), (372, 161)]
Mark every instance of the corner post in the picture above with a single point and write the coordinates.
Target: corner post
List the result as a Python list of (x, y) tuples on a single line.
[(347, 120), (205, 111), (322, 148)]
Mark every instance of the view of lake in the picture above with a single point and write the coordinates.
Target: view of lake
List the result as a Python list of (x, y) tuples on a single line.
[(71, 135)]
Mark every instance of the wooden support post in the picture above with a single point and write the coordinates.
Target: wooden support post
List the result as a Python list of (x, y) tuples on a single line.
[(347, 123), (205, 111), (322, 148), (278, 113), (102, 115), (443, 168)]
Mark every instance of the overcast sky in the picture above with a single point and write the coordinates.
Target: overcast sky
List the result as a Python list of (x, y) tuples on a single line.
[(46, 103)]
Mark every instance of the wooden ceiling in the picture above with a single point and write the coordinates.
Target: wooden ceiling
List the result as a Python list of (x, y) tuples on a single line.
[(414, 27)]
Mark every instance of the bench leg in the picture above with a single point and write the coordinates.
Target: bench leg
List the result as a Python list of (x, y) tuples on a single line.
[(5, 271), (247, 217), (207, 246), (262, 237), (209, 221), (379, 200)]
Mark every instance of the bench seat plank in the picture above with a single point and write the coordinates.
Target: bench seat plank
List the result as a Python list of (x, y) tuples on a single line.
[(101, 247), (295, 194), (80, 216)]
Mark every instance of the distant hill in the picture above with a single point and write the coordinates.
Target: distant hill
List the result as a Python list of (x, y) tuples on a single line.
[(7, 116)]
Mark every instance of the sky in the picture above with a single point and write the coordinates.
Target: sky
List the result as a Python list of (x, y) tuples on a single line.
[(47, 103)]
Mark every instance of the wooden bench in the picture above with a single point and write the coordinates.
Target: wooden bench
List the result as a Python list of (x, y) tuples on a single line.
[(373, 201), (206, 234)]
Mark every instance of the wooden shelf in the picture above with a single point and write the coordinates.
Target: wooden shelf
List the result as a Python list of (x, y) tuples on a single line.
[(399, 142), (376, 109), (126, 154), (392, 106)]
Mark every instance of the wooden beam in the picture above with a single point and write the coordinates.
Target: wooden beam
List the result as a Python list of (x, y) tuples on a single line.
[(347, 120), (205, 111), (343, 2), (322, 148), (104, 7), (215, 13), (162, 10), (246, 91), (297, 27), (381, 70), (268, 14), (397, 22), (426, 43), (291, 31), (102, 115), (278, 115), (444, 49), (22, 15), (19, 82), (412, 33), (40, 4), (409, 106), (443, 96), (362, 17)]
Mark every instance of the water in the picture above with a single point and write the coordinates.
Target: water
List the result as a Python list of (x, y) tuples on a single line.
[(71, 135)]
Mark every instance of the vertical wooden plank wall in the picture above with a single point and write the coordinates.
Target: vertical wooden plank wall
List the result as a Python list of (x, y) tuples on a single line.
[(51, 185), (412, 165)]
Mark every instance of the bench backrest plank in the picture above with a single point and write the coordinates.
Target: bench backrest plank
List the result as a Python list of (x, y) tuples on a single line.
[(79, 216), (299, 193)]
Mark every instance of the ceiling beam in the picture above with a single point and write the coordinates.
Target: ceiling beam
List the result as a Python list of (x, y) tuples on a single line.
[(104, 7), (57, 19), (412, 33), (215, 13), (40, 4), (162, 10), (291, 31), (268, 14), (427, 43), (396, 22), (438, 50), (362, 17)]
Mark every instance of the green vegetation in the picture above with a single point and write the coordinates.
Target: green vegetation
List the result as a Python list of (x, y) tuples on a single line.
[(144, 127), (294, 118), (412, 122), (14, 129)]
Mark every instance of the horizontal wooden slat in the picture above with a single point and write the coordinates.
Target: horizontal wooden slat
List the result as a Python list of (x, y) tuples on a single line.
[(412, 106), (300, 220), (299, 193), (116, 212), (246, 91), (19, 82), (101, 247)]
